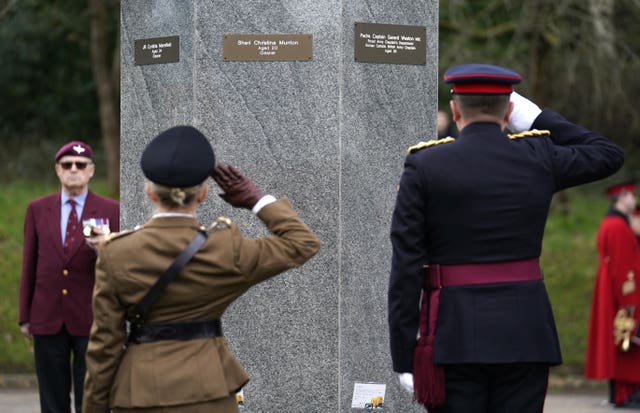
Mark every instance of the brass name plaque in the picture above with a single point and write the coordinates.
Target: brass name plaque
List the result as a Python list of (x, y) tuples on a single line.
[(268, 47), (157, 50), (390, 43)]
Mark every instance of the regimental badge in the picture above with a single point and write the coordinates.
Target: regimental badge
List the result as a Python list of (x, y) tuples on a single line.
[(629, 286), (79, 149), (427, 144)]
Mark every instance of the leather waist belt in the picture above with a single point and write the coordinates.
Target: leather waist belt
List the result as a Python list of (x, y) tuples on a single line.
[(439, 276), (188, 330)]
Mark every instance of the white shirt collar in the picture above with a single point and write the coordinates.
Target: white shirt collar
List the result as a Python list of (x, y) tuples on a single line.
[(172, 214)]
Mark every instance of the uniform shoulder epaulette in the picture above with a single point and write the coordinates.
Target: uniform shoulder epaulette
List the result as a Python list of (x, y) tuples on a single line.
[(427, 144), (116, 235), (528, 133)]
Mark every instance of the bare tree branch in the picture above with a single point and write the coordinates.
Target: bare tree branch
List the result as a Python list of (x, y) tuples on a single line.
[(106, 90)]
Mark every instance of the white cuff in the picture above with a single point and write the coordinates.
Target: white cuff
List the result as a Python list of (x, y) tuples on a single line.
[(406, 381), (263, 202)]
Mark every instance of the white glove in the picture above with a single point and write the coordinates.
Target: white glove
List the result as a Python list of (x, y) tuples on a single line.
[(406, 381), (523, 114)]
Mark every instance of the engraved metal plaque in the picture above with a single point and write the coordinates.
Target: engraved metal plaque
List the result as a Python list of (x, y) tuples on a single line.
[(269, 47), (390, 43), (157, 50)]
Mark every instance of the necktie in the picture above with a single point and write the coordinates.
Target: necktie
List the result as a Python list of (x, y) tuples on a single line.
[(72, 228)]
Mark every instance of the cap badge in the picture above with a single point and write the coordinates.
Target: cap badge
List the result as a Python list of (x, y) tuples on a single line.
[(79, 149)]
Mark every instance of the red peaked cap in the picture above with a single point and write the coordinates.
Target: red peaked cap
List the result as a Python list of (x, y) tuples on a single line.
[(481, 79), (620, 188)]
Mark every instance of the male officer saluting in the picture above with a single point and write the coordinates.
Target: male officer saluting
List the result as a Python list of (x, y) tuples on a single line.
[(473, 210)]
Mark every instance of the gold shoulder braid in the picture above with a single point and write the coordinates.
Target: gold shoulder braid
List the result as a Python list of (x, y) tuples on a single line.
[(529, 133), (433, 142), (219, 223)]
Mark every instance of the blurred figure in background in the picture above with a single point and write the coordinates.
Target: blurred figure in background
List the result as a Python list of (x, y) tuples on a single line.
[(612, 352), (58, 272), (444, 125)]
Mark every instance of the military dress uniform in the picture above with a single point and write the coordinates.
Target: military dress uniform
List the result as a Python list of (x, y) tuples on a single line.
[(477, 205), (191, 375)]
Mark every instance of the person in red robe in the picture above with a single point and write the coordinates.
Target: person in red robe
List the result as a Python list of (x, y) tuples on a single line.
[(613, 350)]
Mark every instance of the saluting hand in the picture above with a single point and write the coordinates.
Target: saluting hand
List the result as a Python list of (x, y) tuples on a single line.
[(524, 113), (239, 191)]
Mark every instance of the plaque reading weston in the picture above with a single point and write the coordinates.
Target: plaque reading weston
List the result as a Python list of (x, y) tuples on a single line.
[(157, 50), (269, 47), (390, 43)]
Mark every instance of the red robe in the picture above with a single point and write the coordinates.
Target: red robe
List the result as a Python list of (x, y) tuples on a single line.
[(619, 256)]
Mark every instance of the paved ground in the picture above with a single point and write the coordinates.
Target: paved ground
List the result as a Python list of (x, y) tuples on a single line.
[(26, 401)]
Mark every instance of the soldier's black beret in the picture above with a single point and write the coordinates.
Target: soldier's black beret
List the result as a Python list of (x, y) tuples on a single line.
[(179, 157)]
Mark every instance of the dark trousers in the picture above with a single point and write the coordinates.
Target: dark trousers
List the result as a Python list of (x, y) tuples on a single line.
[(495, 388), (57, 369)]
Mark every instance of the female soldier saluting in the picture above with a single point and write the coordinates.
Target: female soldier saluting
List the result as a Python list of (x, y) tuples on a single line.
[(178, 360)]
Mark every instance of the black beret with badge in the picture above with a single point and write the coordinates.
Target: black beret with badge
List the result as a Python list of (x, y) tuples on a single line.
[(179, 157)]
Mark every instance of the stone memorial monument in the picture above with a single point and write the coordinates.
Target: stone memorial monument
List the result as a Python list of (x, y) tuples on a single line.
[(317, 101)]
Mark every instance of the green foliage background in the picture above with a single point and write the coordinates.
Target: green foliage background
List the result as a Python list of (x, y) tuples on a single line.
[(48, 94)]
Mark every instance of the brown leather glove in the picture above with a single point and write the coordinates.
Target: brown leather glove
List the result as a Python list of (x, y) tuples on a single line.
[(239, 191)]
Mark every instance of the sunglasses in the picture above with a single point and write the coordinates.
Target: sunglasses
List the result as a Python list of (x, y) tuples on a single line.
[(68, 165)]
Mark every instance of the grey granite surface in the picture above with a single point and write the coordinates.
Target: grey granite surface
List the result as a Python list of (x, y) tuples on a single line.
[(329, 134)]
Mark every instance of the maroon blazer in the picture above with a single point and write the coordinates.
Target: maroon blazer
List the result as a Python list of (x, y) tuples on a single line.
[(55, 291)]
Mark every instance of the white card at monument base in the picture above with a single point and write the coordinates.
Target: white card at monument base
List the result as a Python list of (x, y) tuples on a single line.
[(369, 396), (240, 399)]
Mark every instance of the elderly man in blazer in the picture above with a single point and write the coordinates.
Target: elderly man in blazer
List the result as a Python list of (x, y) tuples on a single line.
[(58, 271)]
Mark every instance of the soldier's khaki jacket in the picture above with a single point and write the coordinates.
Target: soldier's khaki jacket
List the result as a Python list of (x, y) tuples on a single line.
[(170, 373)]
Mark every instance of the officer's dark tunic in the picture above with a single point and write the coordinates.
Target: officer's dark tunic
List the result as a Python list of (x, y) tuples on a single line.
[(484, 198)]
